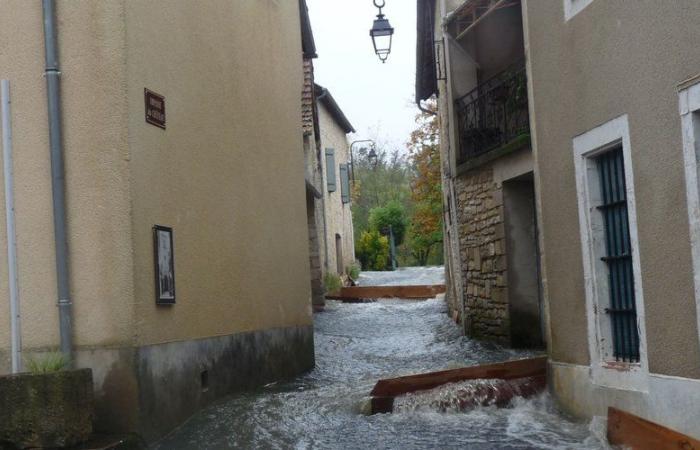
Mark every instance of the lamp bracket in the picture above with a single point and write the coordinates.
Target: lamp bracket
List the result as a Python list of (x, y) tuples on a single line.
[(379, 4)]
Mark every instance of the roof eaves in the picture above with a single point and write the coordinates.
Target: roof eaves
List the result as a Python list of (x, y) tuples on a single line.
[(426, 76), (307, 35), (324, 95)]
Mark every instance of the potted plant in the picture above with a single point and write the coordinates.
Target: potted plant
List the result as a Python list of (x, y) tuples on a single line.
[(50, 406)]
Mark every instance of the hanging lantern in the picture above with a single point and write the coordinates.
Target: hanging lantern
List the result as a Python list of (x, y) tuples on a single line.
[(381, 33)]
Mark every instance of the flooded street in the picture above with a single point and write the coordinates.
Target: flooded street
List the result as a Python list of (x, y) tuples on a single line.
[(356, 344)]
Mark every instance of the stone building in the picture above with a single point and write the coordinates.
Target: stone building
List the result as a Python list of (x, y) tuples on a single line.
[(313, 167), (326, 157), (471, 56), (222, 167), (336, 160), (615, 91), (613, 99)]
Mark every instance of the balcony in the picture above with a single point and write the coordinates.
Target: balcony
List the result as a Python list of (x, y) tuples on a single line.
[(494, 116)]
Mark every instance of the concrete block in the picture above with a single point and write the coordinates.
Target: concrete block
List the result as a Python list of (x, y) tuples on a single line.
[(53, 410)]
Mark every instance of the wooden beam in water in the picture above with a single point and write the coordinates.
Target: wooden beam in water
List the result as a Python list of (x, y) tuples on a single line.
[(508, 370), (630, 431), (420, 292)]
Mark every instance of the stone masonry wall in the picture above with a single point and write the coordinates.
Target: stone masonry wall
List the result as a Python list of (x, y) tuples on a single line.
[(482, 253)]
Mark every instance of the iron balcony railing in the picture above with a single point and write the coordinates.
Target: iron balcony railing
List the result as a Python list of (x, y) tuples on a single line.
[(494, 114)]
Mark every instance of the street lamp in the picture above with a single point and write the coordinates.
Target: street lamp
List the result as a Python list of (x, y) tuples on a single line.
[(381, 33), (371, 156)]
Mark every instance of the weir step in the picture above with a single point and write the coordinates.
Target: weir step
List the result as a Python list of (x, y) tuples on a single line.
[(531, 373), (361, 293)]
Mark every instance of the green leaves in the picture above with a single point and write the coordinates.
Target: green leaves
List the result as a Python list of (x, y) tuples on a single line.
[(373, 250), (47, 363), (392, 215)]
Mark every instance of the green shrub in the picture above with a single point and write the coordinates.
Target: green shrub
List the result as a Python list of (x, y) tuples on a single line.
[(373, 250), (332, 282), (394, 215), (354, 271), (47, 363)]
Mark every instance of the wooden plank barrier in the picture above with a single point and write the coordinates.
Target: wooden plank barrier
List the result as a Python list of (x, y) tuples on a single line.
[(360, 293), (385, 391), (630, 431)]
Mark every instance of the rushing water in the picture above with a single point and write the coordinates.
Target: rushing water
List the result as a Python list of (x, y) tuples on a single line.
[(356, 344)]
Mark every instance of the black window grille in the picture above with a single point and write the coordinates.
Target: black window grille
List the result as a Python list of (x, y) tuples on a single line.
[(618, 258)]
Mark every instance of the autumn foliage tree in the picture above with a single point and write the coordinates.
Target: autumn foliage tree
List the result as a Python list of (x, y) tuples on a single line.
[(425, 232)]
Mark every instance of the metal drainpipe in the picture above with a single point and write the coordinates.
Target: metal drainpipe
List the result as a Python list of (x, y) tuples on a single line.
[(15, 333), (322, 168), (53, 75)]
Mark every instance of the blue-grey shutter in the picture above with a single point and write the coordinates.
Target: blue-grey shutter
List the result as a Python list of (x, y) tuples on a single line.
[(330, 169), (344, 183)]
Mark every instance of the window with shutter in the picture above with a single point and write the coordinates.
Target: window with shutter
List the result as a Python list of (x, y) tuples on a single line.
[(330, 170), (344, 183)]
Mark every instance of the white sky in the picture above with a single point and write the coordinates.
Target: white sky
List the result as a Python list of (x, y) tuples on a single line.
[(377, 98)]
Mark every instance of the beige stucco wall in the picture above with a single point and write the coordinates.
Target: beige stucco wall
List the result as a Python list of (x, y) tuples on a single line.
[(611, 59), (227, 174), (96, 157), (338, 214)]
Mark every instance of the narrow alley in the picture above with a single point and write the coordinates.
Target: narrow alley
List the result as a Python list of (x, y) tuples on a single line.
[(356, 344), (333, 224)]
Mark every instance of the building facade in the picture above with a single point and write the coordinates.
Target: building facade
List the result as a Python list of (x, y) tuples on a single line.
[(336, 182), (614, 102), (471, 56), (327, 173), (313, 168), (611, 147), (242, 312)]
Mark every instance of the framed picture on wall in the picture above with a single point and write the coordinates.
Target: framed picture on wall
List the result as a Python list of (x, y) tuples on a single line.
[(164, 265)]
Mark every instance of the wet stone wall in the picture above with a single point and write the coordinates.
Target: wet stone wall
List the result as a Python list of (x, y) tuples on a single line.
[(482, 253)]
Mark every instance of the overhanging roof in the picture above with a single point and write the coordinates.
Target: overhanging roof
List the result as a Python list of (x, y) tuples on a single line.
[(426, 76), (308, 44), (324, 96)]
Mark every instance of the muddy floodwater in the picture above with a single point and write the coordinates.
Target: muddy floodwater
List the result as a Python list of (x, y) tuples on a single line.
[(357, 344)]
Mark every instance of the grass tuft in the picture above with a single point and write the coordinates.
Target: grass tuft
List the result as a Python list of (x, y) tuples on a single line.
[(332, 282), (47, 363)]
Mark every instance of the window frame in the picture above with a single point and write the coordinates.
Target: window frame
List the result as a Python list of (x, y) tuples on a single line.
[(689, 109), (587, 147)]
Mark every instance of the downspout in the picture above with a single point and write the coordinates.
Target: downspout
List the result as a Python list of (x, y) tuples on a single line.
[(53, 94), (16, 336), (322, 168)]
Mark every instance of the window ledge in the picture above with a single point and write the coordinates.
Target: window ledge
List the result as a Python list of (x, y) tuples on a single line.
[(621, 366)]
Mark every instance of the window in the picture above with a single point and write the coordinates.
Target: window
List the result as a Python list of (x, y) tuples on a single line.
[(618, 256), (330, 170), (689, 99), (573, 7), (610, 248), (344, 183)]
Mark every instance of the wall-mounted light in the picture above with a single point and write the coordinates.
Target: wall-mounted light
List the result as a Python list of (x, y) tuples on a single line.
[(381, 33), (372, 157)]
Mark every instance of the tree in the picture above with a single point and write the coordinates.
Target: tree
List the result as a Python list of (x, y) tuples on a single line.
[(392, 215), (373, 250), (426, 186), (377, 184)]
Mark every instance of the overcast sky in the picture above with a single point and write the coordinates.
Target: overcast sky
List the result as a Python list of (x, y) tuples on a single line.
[(377, 98)]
